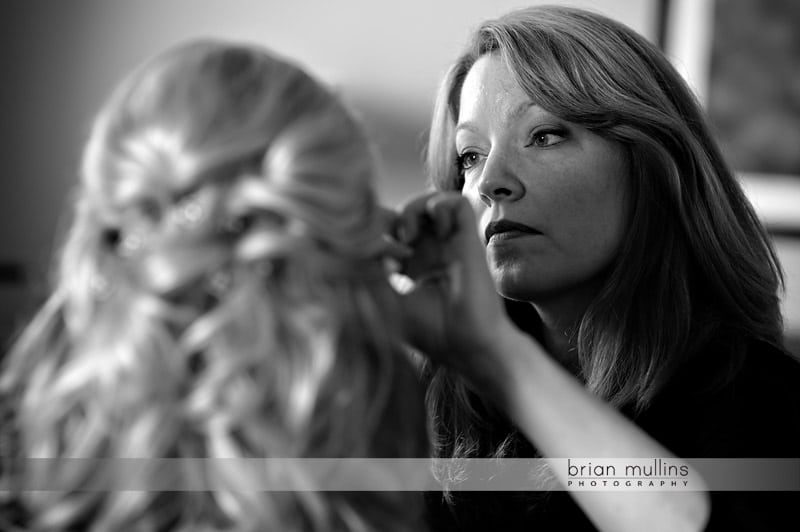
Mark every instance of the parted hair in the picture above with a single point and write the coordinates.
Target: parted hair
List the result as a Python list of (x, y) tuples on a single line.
[(221, 294), (696, 271)]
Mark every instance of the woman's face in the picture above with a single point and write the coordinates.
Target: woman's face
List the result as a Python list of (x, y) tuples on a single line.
[(550, 196)]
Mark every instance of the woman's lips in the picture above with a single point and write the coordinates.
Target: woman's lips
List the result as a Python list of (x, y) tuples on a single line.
[(505, 230)]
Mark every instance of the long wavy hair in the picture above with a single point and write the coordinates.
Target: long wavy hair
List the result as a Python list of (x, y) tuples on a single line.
[(696, 269), (221, 294)]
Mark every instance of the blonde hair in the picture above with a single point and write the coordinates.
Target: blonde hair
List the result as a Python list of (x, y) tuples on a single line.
[(221, 294)]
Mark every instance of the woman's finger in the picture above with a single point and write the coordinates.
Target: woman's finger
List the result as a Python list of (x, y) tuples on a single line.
[(441, 210), (392, 246), (412, 219)]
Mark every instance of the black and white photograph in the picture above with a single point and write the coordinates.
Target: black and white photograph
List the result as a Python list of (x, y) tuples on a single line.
[(420, 266)]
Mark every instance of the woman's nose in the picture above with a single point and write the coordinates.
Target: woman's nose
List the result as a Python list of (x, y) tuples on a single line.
[(498, 183)]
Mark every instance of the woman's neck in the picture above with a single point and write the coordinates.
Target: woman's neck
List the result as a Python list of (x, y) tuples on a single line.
[(559, 335), (561, 317)]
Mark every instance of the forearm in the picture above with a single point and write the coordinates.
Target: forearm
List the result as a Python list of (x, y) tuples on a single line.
[(556, 412)]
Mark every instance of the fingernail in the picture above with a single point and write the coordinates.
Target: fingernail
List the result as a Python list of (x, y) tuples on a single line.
[(395, 248)]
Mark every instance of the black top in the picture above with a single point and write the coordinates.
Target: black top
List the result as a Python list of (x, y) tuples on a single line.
[(753, 414)]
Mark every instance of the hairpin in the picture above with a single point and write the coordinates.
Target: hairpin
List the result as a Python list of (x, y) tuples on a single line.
[(219, 282), (100, 286), (130, 244), (188, 212)]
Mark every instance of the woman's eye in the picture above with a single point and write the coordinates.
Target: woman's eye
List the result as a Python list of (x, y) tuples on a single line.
[(467, 160), (543, 139)]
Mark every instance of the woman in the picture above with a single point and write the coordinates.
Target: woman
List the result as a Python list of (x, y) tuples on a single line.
[(619, 240), (221, 295)]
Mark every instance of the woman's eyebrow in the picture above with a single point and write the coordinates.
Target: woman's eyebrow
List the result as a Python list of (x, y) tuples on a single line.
[(523, 108), (517, 112)]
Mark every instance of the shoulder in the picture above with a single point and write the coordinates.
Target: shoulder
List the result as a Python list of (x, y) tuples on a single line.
[(726, 404), (770, 368), (768, 379), (756, 371), (766, 394)]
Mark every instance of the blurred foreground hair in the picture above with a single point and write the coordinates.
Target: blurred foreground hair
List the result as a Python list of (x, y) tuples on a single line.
[(221, 295)]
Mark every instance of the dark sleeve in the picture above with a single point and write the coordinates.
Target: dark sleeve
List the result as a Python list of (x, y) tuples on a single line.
[(752, 511), (754, 414), (438, 514)]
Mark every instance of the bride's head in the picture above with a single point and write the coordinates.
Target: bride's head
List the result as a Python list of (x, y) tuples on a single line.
[(221, 294)]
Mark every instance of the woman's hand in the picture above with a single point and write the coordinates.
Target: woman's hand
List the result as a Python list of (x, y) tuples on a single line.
[(453, 313)]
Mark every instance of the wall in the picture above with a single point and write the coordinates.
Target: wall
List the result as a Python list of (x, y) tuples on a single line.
[(60, 59)]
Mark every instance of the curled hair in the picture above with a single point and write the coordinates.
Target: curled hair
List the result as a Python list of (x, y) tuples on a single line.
[(221, 294), (696, 271)]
